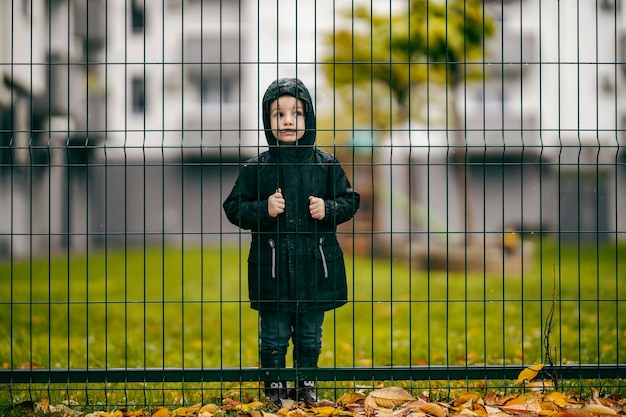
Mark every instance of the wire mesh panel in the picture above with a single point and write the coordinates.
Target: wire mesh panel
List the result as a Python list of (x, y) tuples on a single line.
[(468, 156)]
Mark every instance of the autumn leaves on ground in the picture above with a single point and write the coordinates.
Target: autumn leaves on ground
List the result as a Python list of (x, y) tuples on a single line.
[(383, 402), (538, 399)]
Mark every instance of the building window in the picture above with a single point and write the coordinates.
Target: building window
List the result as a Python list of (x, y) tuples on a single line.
[(216, 89), (138, 94), (138, 16)]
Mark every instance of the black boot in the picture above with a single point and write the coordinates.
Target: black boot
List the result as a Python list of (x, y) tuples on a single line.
[(306, 358), (275, 390), (306, 392)]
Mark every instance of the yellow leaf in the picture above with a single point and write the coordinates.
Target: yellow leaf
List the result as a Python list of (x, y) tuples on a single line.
[(209, 408), (515, 401), (44, 405), (528, 408), (549, 406), (161, 412), (465, 398), (432, 409), (529, 373), (351, 398), (134, 413), (247, 407), (558, 398), (573, 412), (185, 411), (298, 412), (329, 411), (467, 412)]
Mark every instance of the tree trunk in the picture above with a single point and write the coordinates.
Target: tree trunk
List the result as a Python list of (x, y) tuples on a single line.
[(463, 174)]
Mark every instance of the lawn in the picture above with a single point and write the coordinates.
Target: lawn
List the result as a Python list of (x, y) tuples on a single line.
[(164, 307)]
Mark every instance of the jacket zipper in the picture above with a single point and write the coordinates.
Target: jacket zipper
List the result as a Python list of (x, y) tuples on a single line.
[(273, 266), (320, 245)]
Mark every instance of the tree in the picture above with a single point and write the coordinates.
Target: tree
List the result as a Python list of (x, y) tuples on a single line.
[(390, 57)]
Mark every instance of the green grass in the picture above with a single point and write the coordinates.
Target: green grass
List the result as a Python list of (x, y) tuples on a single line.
[(162, 307)]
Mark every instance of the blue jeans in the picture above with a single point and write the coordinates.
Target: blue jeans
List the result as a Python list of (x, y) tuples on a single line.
[(305, 331)]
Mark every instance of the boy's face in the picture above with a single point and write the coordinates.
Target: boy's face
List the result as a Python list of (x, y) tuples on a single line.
[(287, 119)]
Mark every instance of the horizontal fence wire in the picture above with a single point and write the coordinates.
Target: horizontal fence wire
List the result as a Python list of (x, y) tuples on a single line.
[(486, 141), (396, 373)]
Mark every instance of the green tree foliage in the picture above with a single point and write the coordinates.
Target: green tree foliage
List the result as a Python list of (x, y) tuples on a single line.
[(389, 57)]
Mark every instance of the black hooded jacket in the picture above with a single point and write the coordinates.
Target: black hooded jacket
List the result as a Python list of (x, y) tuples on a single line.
[(295, 262)]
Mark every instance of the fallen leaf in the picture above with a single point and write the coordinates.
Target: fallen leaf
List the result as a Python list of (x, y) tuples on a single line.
[(492, 410), (297, 412), (329, 411), (250, 406), (549, 406), (532, 408), (515, 401), (388, 398), (351, 398), (369, 405), (433, 409), (491, 399), (609, 402), (161, 412), (539, 385), (63, 410), (573, 412), (186, 411), (529, 373), (599, 409), (209, 408), (479, 408), (468, 397), (558, 398)]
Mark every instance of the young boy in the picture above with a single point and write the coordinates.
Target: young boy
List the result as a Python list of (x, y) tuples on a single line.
[(292, 197)]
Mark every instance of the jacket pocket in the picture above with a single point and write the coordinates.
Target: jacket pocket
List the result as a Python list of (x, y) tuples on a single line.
[(263, 259), (327, 253), (263, 271)]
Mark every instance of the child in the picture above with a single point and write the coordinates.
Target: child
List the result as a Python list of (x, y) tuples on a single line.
[(292, 197)]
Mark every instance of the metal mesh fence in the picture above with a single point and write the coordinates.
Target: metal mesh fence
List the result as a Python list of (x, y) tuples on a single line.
[(485, 138)]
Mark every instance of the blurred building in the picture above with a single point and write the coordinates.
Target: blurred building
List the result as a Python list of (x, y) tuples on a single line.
[(109, 107), (544, 136)]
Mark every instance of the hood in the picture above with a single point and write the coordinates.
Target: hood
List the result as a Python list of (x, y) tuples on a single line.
[(295, 88)]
